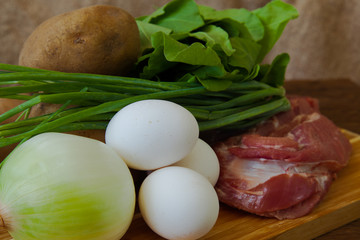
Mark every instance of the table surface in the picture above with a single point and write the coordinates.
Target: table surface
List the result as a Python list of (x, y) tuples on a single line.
[(340, 101)]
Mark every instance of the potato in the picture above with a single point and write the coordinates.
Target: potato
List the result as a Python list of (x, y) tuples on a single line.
[(97, 39)]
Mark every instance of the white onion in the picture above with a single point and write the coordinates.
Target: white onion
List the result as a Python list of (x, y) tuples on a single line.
[(61, 186)]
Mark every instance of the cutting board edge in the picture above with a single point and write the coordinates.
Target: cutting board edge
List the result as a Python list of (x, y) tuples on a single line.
[(316, 227)]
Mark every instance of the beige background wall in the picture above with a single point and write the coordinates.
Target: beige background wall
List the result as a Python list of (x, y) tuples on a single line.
[(324, 42)]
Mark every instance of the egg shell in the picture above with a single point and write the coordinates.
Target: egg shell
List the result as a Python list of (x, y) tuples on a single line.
[(150, 134), (203, 160), (178, 203)]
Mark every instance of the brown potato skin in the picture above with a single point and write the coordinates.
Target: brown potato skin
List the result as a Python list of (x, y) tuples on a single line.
[(98, 39)]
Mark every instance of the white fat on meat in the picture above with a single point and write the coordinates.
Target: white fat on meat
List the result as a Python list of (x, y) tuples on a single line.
[(296, 154)]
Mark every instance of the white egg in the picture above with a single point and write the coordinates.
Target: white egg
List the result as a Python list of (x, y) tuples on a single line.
[(150, 134), (203, 160), (178, 203)]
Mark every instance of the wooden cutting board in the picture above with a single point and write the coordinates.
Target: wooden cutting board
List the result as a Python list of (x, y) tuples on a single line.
[(340, 206)]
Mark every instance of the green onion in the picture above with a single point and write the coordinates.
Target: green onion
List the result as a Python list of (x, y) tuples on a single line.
[(210, 64), (96, 98)]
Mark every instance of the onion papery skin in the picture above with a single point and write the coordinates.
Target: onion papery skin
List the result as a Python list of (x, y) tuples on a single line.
[(60, 186)]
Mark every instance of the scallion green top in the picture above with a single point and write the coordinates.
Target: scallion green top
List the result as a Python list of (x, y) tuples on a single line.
[(206, 60)]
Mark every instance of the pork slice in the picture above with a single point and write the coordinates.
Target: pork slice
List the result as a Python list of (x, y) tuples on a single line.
[(272, 188), (315, 140), (283, 167)]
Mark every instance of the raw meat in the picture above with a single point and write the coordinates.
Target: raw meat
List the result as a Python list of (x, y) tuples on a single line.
[(283, 167)]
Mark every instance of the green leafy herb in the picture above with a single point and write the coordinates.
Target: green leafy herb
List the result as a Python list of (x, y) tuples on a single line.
[(146, 30), (274, 74), (178, 15), (274, 17), (215, 37), (194, 54), (238, 22), (231, 41), (207, 60)]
